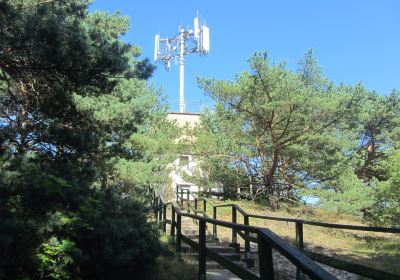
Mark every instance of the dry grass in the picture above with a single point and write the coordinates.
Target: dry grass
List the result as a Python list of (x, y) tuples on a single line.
[(377, 250)]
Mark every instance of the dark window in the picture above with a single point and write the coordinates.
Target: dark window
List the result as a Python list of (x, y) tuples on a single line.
[(183, 160)]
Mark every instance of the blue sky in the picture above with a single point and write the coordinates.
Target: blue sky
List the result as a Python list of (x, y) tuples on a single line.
[(353, 40)]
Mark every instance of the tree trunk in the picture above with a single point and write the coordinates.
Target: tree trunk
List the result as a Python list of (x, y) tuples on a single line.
[(274, 196), (365, 172)]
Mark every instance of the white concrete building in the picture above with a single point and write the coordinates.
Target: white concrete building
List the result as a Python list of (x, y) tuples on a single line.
[(185, 164)]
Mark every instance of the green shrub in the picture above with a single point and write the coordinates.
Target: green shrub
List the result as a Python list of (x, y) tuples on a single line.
[(115, 239), (171, 267)]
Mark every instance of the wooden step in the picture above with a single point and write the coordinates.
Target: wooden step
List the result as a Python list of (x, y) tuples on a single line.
[(190, 231), (212, 246), (195, 237), (228, 255), (210, 264), (220, 274)]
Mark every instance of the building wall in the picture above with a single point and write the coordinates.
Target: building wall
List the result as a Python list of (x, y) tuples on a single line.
[(184, 118), (185, 163)]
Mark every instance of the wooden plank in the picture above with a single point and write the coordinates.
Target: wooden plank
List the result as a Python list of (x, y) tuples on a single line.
[(266, 262), (173, 224), (164, 218), (231, 266), (215, 234), (224, 205), (179, 233), (299, 235), (329, 225), (234, 221), (202, 250), (246, 241)]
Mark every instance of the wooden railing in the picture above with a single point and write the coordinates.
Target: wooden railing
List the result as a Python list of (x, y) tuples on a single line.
[(185, 194), (265, 239)]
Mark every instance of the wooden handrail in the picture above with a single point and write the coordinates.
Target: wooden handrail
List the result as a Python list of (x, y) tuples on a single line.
[(313, 223), (267, 241), (298, 230), (330, 225), (289, 251)]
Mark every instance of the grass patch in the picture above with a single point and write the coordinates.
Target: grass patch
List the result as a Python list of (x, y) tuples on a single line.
[(171, 267)]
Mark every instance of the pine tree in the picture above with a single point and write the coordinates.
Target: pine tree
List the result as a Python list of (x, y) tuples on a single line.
[(72, 95), (282, 117)]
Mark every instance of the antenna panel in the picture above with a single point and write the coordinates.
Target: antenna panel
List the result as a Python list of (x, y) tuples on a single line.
[(196, 27), (205, 34), (156, 47)]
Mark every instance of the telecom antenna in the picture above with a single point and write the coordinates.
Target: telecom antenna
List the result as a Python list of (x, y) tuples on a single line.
[(196, 40)]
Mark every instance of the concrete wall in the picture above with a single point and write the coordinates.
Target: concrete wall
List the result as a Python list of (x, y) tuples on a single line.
[(189, 166), (184, 118)]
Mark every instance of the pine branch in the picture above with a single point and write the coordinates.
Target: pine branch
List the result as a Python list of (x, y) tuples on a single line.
[(35, 5)]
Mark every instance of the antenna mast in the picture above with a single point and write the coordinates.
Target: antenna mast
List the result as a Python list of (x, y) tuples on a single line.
[(184, 43)]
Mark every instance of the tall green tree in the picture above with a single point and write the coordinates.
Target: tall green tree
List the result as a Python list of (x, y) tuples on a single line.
[(378, 132), (387, 203), (283, 117), (72, 95), (290, 135)]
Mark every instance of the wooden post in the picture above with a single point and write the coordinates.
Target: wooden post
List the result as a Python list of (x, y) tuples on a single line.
[(202, 250), (178, 233), (214, 226), (300, 245), (247, 244), (173, 224), (164, 220), (265, 259), (155, 206), (234, 231), (188, 202), (204, 205), (299, 235), (160, 208), (181, 198), (195, 205)]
